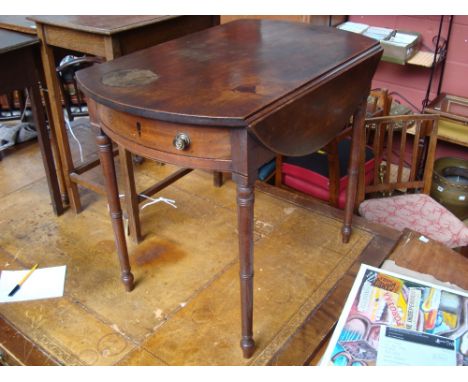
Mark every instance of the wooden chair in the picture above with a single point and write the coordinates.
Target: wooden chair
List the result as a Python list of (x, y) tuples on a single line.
[(73, 99), (75, 104), (379, 103), (405, 144), (332, 190), (322, 174), (12, 105)]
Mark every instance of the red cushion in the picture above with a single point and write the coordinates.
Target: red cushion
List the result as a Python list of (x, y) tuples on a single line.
[(420, 213), (312, 183)]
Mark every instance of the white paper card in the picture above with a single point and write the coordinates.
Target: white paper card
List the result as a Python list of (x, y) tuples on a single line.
[(43, 283), (424, 239), (400, 347)]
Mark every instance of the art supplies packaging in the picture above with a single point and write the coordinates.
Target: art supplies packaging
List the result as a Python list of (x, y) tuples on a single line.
[(391, 319)]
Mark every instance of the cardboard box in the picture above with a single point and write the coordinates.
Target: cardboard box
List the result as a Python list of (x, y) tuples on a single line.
[(378, 33), (401, 46)]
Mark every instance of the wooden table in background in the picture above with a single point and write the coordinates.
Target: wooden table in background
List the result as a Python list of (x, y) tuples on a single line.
[(20, 67), (18, 23), (228, 99), (108, 37), (432, 258)]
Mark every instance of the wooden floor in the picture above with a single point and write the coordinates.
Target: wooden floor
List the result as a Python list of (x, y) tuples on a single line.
[(185, 309)]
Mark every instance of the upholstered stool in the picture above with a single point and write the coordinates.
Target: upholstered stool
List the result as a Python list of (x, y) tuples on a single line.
[(418, 212)]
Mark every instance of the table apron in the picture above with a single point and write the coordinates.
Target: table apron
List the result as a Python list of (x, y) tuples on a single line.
[(222, 165), (79, 41)]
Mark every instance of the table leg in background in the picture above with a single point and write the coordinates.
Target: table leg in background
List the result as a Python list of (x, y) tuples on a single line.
[(56, 116), (46, 150)]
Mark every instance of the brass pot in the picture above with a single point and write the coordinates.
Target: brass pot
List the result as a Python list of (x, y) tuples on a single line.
[(450, 185)]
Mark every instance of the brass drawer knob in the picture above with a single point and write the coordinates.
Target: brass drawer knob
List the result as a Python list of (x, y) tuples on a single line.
[(181, 141)]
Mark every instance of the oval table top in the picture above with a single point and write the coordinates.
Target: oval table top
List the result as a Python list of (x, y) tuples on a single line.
[(223, 75)]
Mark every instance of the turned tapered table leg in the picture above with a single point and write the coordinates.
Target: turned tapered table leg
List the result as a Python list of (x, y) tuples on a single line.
[(357, 145), (245, 215), (107, 163)]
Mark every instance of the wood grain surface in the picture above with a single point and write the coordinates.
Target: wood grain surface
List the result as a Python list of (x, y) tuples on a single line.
[(289, 107), (431, 257), (18, 23), (187, 292), (102, 24), (10, 40), (225, 74)]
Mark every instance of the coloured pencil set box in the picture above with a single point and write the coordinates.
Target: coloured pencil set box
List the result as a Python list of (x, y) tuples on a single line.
[(389, 319)]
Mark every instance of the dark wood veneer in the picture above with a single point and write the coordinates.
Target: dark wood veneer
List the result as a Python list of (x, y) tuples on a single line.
[(243, 92)]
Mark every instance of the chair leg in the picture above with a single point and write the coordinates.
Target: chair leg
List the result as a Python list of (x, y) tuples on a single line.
[(107, 163), (333, 172), (278, 172), (218, 180)]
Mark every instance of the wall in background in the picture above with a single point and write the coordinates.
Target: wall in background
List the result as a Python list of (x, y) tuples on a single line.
[(309, 19), (411, 81)]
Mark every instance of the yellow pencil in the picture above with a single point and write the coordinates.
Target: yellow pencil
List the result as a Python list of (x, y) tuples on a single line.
[(18, 286)]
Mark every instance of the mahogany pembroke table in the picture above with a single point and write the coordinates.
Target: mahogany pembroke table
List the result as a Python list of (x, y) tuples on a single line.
[(228, 99)]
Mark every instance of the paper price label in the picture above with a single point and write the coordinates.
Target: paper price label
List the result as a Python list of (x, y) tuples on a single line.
[(424, 239)]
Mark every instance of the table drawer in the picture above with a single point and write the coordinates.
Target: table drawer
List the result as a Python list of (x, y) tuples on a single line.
[(194, 141)]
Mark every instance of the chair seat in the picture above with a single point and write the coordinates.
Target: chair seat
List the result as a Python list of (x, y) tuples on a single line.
[(420, 213), (310, 174)]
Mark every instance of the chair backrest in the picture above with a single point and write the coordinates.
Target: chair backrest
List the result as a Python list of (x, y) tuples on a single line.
[(404, 149), (12, 105), (379, 103), (72, 96)]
